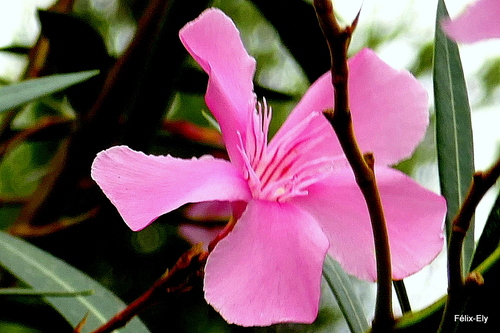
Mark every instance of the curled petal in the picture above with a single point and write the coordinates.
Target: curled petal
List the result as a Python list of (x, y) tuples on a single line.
[(195, 234), (389, 107), (143, 187), (214, 42), (479, 21), (268, 269), (414, 216), (209, 211)]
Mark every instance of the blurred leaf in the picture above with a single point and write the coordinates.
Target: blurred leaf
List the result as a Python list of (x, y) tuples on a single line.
[(351, 307), (23, 167), (25, 91), (453, 128), (423, 63), (490, 237), (74, 46), (424, 320), (153, 60), (37, 60), (490, 76), (43, 271), (16, 49), (42, 293), (16, 328), (296, 23)]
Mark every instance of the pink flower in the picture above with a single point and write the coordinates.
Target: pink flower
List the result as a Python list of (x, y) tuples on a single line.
[(297, 197), (479, 21)]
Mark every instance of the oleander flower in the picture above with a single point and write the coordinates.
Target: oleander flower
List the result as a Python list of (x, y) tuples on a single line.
[(295, 197), (479, 21)]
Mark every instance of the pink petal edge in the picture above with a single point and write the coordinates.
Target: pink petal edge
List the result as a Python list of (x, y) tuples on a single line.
[(479, 21), (214, 42), (143, 187), (268, 269), (414, 215)]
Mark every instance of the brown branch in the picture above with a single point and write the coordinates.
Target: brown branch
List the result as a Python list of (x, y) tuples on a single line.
[(340, 118), (25, 229), (45, 124), (174, 281), (481, 183), (12, 200)]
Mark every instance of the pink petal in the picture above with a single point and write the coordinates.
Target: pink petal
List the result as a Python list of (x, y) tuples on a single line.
[(389, 108), (209, 211), (414, 215), (268, 269), (391, 114), (143, 187), (204, 213), (195, 234), (214, 42), (479, 21)]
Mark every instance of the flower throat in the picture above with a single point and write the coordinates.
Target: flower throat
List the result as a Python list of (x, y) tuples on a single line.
[(277, 171)]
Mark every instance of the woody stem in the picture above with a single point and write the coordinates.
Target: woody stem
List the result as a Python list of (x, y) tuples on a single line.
[(362, 164)]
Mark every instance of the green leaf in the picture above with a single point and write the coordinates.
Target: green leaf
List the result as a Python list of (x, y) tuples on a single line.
[(23, 167), (19, 93), (453, 128), (351, 307), (42, 293), (16, 328), (42, 271), (490, 237)]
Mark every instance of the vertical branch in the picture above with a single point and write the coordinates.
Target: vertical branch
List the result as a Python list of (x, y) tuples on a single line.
[(340, 118)]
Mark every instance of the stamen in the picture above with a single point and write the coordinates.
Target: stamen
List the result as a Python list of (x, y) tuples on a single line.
[(285, 156), (278, 171), (251, 176)]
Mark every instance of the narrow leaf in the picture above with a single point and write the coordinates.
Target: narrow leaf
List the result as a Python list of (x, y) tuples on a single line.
[(351, 307), (404, 300), (42, 293), (211, 121), (19, 93), (42, 271), (490, 237), (453, 128)]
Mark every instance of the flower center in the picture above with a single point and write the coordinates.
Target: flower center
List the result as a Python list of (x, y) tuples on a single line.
[(286, 166)]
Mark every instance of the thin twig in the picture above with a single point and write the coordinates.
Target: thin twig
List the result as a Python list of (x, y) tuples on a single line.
[(45, 124), (174, 281), (340, 118), (481, 183)]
